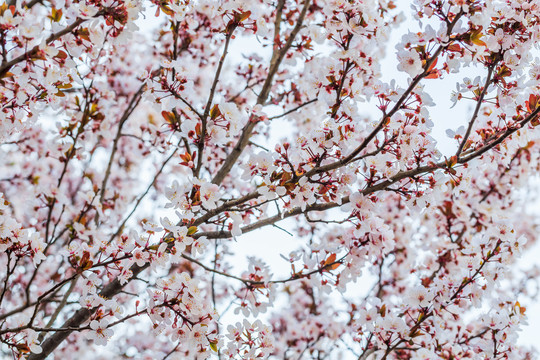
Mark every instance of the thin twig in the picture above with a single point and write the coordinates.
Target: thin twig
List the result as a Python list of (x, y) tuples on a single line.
[(59, 307), (294, 109), (476, 110), (125, 116), (209, 102)]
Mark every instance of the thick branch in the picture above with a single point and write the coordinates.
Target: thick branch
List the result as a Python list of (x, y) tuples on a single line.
[(275, 62), (82, 315)]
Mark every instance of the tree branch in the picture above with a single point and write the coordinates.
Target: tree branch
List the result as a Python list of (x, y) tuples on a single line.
[(125, 116), (208, 107), (9, 64), (476, 111), (277, 57)]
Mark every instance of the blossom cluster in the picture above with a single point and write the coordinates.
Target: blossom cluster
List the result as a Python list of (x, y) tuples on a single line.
[(146, 147)]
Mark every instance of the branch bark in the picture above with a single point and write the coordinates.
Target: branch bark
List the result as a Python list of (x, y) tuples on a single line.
[(80, 316), (275, 62), (8, 65)]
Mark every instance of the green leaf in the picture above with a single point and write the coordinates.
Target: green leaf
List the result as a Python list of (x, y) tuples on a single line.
[(213, 345), (192, 230)]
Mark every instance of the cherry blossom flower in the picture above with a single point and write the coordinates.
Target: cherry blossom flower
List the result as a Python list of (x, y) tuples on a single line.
[(99, 333), (271, 191), (409, 62)]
